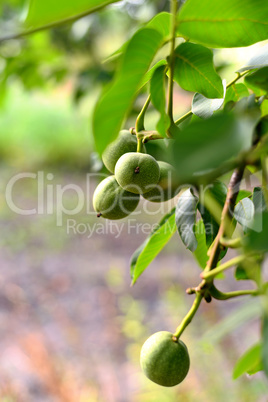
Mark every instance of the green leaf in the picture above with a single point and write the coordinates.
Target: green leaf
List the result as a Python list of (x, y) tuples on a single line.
[(244, 212), (185, 217), (194, 70), (250, 269), (158, 98), (115, 102), (161, 23), (258, 235), (41, 13), (236, 92), (242, 194), (258, 200), (204, 107), (258, 79), (147, 77), (205, 144), (201, 250), (258, 60), (265, 341), (250, 359), (218, 192), (152, 246), (224, 23)]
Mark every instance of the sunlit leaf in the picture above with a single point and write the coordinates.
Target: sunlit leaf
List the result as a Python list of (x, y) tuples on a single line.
[(185, 217), (250, 359), (152, 246), (41, 13), (194, 70), (224, 23), (113, 105), (258, 60)]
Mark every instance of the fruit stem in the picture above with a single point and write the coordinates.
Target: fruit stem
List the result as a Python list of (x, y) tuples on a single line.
[(139, 126), (234, 261), (217, 294), (231, 243), (189, 316), (139, 144)]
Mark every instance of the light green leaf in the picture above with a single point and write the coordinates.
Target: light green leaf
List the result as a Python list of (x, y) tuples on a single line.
[(194, 70), (204, 107), (152, 246), (201, 250), (49, 12), (205, 144), (236, 92), (185, 217), (250, 359), (116, 101), (147, 77), (158, 98), (258, 60), (258, 79), (224, 23), (244, 212), (161, 23), (243, 194)]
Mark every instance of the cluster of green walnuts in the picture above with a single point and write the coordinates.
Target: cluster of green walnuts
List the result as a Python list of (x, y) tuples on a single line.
[(134, 174), (164, 358)]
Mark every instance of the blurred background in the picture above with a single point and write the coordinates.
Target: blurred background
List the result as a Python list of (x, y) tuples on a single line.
[(71, 326)]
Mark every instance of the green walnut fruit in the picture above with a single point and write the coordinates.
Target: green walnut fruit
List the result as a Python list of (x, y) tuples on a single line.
[(137, 172), (113, 202), (164, 360), (166, 188), (124, 143)]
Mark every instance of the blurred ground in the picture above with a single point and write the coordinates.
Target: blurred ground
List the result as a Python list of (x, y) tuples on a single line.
[(72, 327)]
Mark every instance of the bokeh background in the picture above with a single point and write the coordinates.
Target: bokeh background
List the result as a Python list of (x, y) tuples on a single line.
[(71, 326)]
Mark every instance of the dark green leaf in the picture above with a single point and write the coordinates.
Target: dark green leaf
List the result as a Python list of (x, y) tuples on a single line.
[(258, 60), (224, 23), (258, 200), (201, 250), (185, 217), (115, 102), (258, 79), (250, 269), (250, 360), (152, 246), (258, 235), (203, 145), (194, 70), (42, 13), (158, 98), (218, 192), (244, 212), (204, 107)]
